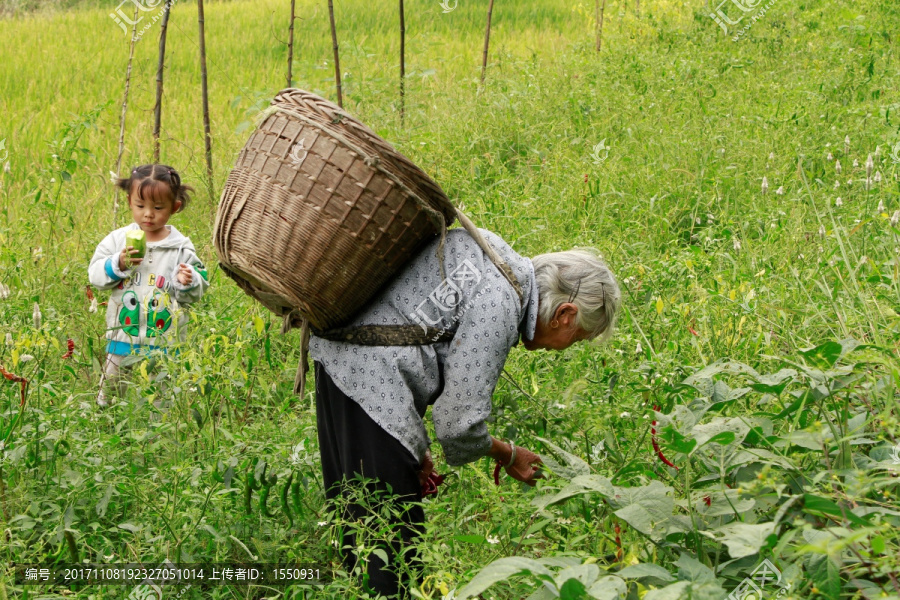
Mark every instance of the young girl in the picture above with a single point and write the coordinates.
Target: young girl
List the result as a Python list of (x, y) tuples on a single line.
[(147, 291)]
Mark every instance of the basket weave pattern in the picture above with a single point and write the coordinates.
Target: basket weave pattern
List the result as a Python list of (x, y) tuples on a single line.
[(315, 230)]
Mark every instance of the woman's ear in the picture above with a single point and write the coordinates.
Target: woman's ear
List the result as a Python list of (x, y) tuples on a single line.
[(566, 313)]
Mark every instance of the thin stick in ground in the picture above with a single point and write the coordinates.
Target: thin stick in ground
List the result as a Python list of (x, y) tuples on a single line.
[(487, 39), (402, 63), (337, 61), (599, 9), (160, 65), (205, 91), (290, 79), (124, 112)]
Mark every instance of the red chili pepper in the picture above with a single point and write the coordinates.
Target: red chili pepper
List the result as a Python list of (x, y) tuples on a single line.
[(708, 501), (16, 379), (585, 177), (70, 345), (432, 483), (691, 329), (656, 444), (89, 292), (620, 553)]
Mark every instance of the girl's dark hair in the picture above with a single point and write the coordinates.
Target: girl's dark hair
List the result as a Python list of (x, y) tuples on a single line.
[(156, 183)]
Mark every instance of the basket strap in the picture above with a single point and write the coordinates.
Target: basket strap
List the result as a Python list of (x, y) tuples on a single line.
[(387, 335), (303, 367), (491, 253)]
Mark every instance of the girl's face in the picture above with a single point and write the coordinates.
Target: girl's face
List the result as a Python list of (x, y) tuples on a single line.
[(152, 215)]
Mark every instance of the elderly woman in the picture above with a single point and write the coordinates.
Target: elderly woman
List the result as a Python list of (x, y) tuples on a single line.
[(371, 399)]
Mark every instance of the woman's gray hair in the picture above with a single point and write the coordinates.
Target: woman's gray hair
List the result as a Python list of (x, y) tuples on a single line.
[(581, 273)]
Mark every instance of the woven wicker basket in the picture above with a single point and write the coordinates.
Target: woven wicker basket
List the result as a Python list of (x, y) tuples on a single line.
[(319, 212)]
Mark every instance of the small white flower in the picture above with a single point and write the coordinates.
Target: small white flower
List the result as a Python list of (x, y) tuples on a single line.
[(838, 202), (37, 254), (698, 220), (93, 307), (895, 218), (837, 184), (4, 291), (624, 415), (821, 231), (53, 180), (765, 185), (862, 260), (6, 168), (322, 523), (847, 145), (868, 183), (639, 349), (492, 539), (737, 245), (830, 157), (849, 182), (25, 358), (36, 316), (559, 406), (298, 453), (113, 177), (771, 156), (9, 340), (877, 178), (870, 164), (837, 167), (780, 191), (880, 208), (855, 163)]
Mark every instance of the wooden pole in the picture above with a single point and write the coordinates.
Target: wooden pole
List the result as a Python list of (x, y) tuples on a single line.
[(600, 24), (402, 64), (124, 111), (487, 39), (157, 109), (205, 90), (290, 80), (337, 61)]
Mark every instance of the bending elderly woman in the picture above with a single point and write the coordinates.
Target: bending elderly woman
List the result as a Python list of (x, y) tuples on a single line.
[(371, 399)]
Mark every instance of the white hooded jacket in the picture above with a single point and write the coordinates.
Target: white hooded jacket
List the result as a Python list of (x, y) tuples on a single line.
[(144, 311)]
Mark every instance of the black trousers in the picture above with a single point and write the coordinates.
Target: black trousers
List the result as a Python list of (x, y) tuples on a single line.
[(351, 445)]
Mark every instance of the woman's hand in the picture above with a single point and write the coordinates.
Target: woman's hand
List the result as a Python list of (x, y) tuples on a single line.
[(525, 468), (427, 468), (126, 261)]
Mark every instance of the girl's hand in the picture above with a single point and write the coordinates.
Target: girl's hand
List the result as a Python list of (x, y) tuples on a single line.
[(126, 261), (525, 469), (185, 274)]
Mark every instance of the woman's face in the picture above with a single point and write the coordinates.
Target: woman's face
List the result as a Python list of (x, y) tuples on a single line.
[(566, 332)]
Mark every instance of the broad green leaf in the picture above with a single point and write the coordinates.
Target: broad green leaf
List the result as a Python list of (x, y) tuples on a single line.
[(727, 366), (676, 591), (608, 588), (586, 574), (499, 570), (690, 569), (742, 539), (721, 503), (647, 573), (470, 539), (826, 576), (582, 484), (129, 527), (775, 382), (824, 355), (572, 589), (571, 465), (649, 509)]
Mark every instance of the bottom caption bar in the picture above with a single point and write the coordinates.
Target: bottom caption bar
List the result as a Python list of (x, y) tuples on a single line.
[(172, 574)]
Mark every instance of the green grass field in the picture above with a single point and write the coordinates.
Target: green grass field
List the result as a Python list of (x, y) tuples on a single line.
[(761, 319)]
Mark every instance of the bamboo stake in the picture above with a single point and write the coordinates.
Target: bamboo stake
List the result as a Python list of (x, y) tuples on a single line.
[(290, 79), (637, 8), (204, 87), (600, 24), (157, 109), (124, 111), (402, 64), (337, 61), (487, 39)]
